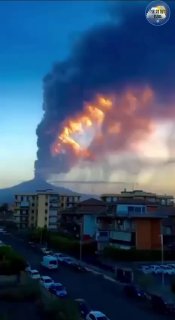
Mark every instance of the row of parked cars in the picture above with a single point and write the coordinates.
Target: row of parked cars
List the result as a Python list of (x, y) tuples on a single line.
[(52, 260), (156, 302), (60, 291), (168, 269)]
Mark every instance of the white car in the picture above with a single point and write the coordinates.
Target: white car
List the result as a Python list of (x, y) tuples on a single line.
[(96, 315), (33, 274), (46, 251), (147, 269), (46, 281), (168, 270)]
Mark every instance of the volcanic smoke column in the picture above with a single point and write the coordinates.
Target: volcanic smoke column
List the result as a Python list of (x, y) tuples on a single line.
[(110, 60)]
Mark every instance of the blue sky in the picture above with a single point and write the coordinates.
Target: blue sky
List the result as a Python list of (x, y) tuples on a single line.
[(33, 36)]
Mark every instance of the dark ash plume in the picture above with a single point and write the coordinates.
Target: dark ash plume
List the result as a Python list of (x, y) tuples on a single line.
[(107, 58)]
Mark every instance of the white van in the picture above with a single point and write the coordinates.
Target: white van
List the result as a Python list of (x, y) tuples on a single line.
[(49, 262)]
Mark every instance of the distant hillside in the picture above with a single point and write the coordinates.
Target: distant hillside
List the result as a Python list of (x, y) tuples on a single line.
[(7, 195)]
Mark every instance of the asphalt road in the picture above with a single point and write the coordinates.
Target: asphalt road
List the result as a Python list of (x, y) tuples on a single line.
[(101, 294)]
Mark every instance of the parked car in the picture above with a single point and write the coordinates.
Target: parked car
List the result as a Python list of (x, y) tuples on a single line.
[(28, 267), (68, 261), (49, 262), (33, 274), (58, 289), (160, 305), (133, 291), (83, 307), (60, 256), (147, 269), (46, 281), (96, 315), (46, 251)]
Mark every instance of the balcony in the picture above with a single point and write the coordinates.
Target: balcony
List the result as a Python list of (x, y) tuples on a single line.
[(24, 204), (105, 227)]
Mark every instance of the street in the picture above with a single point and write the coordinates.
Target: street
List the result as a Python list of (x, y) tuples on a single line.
[(101, 294)]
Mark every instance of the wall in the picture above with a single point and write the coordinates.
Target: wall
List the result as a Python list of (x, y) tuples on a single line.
[(89, 225), (130, 208), (41, 211), (155, 234), (143, 234), (148, 234)]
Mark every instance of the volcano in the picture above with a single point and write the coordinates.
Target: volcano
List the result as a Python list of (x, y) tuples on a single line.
[(31, 186)]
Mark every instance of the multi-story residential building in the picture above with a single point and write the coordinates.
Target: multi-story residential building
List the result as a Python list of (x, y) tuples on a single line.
[(138, 219), (81, 219), (139, 195), (41, 209)]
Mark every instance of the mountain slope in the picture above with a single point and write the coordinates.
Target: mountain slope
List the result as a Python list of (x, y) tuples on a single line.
[(7, 194)]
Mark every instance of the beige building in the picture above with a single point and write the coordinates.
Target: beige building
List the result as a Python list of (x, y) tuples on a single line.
[(41, 209)]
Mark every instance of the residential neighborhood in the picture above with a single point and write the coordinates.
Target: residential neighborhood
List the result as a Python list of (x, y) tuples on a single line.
[(130, 219)]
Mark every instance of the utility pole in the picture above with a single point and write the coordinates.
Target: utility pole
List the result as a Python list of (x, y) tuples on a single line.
[(162, 256), (81, 238)]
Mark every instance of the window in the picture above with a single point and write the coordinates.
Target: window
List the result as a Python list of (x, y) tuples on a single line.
[(46, 211), (46, 204), (32, 211), (33, 204), (45, 218), (143, 210), (130, 209), (137, 209)]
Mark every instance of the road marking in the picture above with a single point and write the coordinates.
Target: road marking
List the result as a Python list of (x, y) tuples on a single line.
[(93, 271), (109, 278)]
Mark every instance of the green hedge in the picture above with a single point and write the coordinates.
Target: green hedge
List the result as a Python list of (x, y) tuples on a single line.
[(61, 242), (136, 255), (10, 261)]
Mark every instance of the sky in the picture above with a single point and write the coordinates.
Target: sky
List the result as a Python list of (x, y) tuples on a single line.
[(35, 36)]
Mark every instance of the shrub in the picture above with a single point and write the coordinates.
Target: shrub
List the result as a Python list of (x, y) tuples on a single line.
[(29, 292), (58, 309), (10, 261)]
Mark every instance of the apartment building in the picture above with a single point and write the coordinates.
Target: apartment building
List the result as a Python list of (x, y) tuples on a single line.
[(141, 195), (137, 219), (80, 220), (41, 209)]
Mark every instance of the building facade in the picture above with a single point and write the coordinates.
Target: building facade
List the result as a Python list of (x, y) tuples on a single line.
[(41, 209), (137, 221)]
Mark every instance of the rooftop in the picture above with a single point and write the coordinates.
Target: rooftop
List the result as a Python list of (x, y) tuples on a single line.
[(90, 206), (137, 193)]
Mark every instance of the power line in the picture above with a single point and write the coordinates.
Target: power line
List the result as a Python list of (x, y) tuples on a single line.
[(94, 182)]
